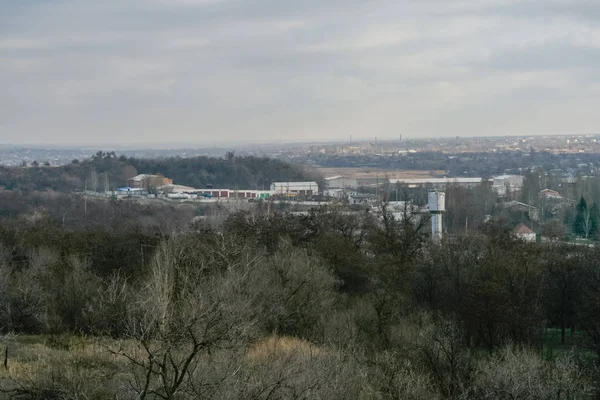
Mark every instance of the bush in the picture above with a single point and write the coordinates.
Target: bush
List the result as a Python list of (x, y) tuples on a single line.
[(518, 373)]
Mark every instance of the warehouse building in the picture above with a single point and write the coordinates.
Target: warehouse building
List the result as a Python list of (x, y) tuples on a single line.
[(236, 194), (301, 188), (340, 182), (438, 183)]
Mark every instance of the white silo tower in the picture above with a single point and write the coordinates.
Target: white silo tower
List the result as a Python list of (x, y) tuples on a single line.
[(437, 207)]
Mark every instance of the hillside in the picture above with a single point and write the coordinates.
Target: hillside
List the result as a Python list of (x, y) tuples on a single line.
[(108, 170)]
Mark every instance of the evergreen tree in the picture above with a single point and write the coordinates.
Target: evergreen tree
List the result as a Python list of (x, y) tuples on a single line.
[(594, 222), (579, 227)]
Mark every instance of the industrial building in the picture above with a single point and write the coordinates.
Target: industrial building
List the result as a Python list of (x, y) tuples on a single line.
[(145, 180), (508, 185), (356, 199), (503, 185), (513, 181), (337, 193), (340, 182), (130, 191), (404, 209), (140, 184), (236, 194), (250, 194), (301, 188), (438, 183)]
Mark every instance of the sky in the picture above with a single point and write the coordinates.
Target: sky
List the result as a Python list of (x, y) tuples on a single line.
[(227, 71)]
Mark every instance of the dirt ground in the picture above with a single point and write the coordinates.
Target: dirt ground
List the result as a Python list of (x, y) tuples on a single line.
[(377, 172)]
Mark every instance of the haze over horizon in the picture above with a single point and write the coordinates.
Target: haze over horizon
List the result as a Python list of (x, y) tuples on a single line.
[(221, 71)]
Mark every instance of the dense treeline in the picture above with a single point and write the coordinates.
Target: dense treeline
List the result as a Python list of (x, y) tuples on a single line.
[(78, 212), (327, 305), (107, 170)]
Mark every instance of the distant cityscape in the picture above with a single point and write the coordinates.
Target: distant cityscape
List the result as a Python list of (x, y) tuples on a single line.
[(311, 152)]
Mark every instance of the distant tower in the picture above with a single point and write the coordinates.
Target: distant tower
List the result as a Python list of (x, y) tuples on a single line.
[(437, 207)]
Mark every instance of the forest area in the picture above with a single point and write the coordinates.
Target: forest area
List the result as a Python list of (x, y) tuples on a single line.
[(329, 305), (108, 171)]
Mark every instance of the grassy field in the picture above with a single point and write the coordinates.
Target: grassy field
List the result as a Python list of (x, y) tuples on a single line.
[(39, 366), (92, 368)]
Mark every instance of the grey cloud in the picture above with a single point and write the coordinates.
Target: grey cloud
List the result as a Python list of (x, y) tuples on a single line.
[(200, 69), (581, 9), (552, 57)]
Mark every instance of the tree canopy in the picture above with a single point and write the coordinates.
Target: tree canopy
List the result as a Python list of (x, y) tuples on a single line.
[(114, 171)]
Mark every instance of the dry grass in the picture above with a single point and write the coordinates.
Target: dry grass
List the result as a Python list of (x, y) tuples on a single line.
[(66, 363), (275, 347), (25, 353), (77, 366)]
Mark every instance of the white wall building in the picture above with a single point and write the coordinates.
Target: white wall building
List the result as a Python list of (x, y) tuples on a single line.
[(337, 193), (506, 184), (356, 199), (340, 182), (401, 209), (306, 188)]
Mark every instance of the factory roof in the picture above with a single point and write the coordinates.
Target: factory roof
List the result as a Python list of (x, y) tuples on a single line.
[(295, 184), (508, 176), (417, 181)]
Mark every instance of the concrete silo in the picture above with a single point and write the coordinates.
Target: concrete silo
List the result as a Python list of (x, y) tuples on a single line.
[(437, 207)]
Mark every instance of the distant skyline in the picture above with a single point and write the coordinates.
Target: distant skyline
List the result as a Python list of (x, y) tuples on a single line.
[(231, 71), (246, 144)]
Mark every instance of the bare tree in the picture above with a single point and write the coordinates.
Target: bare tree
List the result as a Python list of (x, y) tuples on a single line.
[(519, 373), (150, 184), (93, 180), (177, 319), (445, 358)]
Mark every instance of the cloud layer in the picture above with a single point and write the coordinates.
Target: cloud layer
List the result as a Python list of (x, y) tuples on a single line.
[(225, 70)]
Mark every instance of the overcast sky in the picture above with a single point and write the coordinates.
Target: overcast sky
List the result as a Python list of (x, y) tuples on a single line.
[(102, 71)]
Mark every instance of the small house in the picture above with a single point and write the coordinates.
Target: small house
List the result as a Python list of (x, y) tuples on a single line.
[(525, 233)]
